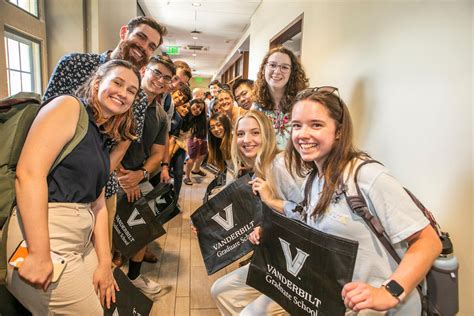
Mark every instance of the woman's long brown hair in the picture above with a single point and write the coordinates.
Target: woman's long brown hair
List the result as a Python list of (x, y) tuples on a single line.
[(296, 82), (118, 127), (219, 148), (342, 153)]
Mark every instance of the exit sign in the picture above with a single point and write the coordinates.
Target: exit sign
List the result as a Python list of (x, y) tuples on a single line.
[(198, 79), (172, 50)]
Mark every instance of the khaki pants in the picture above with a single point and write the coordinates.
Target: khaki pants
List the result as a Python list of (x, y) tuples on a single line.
[(70, 230), (233, 297)]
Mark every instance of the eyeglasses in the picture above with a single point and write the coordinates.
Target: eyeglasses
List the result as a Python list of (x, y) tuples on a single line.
[(284, 68), (326, 90), (158, 75)]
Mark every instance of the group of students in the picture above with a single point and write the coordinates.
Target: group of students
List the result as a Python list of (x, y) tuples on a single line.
[(141, 113)]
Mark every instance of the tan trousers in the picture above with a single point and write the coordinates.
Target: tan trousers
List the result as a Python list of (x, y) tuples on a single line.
[(111, 205), (70, 230), (233, 297)]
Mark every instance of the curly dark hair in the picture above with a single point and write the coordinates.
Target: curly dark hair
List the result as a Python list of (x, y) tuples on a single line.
[(296, 82)]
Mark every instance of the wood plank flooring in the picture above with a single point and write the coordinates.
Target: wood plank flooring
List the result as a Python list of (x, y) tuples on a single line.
[(180, 270)]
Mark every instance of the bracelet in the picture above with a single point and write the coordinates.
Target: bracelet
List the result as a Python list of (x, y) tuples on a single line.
[(165, 164)]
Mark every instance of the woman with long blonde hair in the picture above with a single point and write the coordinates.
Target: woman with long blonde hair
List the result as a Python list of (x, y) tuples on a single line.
[(254, 151)]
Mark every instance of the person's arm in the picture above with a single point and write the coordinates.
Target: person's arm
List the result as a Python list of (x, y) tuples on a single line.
[(165, 168), (103, 280), (41, 148), (261, 187), (402, 221), (131, 178), (424, 248), (117, 154)]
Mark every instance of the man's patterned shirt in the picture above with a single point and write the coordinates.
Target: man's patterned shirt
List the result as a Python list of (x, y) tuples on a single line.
[(71, 72)]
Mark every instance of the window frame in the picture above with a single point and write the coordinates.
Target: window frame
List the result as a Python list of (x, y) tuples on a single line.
[(36, 69), (37, 16)]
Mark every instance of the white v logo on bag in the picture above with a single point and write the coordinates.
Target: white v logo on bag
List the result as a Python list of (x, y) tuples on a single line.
[(133, 221), (293, 265), (227, 223)]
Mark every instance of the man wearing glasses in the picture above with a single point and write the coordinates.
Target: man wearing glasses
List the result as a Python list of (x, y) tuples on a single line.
[(180, 79), (144, 158)]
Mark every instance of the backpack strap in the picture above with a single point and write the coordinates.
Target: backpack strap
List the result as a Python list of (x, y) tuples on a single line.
[(81, 131), (358, 205)]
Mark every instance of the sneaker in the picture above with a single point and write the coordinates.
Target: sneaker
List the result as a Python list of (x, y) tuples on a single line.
[(199, 173), (146, 285), (187, 181)]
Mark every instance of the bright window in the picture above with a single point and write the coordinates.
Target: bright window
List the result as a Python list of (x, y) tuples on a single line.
[(30, 6), (23, 64)]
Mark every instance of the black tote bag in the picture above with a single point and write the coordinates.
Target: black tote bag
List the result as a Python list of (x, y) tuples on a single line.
[(135, 224), (129, 300), (225, 222), (165, 203), (301, 268)]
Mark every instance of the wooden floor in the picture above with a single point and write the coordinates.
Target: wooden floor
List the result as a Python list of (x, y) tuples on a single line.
[(180, 270)]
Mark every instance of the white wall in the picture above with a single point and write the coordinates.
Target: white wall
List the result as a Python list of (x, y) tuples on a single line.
[(405, 70)]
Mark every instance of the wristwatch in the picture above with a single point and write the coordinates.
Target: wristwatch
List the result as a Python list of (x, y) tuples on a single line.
[(146, 175), (394, 288), (165, 164)]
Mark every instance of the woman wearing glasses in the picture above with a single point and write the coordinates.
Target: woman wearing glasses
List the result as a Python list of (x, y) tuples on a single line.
[(280, 78), (321, 144)]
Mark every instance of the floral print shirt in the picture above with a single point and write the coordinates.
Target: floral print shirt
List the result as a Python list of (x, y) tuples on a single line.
[(281, 123)]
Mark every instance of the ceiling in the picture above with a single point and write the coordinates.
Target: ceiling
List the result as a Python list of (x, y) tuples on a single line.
[(221, 24)]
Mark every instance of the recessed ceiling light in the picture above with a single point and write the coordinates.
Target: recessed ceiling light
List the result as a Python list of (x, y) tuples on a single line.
[(195, 37), (194, 54), (196, 4)]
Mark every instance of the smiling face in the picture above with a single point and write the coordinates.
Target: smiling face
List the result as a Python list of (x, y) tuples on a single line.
[(313, 131), (274, 76), (183, 109), (249, 139), (225, 102), (216, 128), (197, 108), (155, 79), (214, 89), (179, 80), (178, 98), (116, 91), (138, 45), (244, 96)]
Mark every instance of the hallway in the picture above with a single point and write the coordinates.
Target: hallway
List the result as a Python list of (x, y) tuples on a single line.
[(180, 270)]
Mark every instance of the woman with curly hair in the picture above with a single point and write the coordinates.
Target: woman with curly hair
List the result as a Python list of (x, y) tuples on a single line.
[(280, 78)]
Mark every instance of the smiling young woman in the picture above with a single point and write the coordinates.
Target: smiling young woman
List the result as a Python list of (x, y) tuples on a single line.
[(280, 77), (63, 210), (322, 145)]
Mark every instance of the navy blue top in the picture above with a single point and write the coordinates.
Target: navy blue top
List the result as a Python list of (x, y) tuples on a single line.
[(82, 175)]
